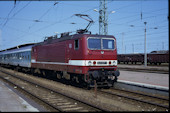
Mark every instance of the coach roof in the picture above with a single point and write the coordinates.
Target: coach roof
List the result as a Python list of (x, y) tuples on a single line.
[(19, 46)]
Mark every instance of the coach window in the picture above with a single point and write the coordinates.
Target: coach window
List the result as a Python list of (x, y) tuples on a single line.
[(76, 44)]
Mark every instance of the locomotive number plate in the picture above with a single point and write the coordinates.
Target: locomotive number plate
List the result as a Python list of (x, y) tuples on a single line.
[(101, 62)]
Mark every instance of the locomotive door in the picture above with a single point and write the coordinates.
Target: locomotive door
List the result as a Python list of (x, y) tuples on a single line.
[(69, 47), (68, 53), (34, 54)]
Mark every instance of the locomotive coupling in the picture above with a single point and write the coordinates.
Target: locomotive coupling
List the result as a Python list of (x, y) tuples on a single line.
[(103, 74)]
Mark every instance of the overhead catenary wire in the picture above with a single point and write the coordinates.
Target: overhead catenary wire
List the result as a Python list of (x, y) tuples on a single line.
[(20, 19), (21, 9), (54, 23), (7, 18), (39, 20), (115, 23)]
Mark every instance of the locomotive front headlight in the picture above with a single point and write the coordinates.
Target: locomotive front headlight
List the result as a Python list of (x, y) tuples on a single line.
[(89, 63), (114, 62)]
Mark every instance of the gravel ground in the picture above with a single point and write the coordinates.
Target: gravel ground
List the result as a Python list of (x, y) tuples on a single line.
[(112, 104)]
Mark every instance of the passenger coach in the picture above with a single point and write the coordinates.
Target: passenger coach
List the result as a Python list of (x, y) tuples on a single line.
[(17, 56)]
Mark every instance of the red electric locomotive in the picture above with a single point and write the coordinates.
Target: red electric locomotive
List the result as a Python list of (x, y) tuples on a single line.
[(80, 57)]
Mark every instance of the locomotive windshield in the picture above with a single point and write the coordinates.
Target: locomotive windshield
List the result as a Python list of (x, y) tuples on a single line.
[(101, 43)]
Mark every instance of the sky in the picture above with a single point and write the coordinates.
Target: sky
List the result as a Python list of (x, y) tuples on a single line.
[(31, 21)]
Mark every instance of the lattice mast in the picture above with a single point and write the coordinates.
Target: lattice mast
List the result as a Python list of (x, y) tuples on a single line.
[(103, 18)]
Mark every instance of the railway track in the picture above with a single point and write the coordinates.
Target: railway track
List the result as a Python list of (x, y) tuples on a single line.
[(126, 100), (52, 98), (140, 97)]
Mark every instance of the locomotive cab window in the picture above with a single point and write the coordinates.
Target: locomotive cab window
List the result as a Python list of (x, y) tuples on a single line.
[(76, 44), (94, 43), (108, 44), (101, 44)]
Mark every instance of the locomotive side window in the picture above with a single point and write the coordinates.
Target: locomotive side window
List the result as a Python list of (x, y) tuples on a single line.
[(76, 44)]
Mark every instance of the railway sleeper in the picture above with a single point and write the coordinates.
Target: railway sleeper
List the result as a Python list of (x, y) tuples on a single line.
[(73, 109), (68, 106), (61, 104)]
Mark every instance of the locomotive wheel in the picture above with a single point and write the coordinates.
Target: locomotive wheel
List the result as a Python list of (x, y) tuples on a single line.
[(77, 80), (58, 76), (43, 73), (115, 79), (87, 86), (32, 71), (18, 69)]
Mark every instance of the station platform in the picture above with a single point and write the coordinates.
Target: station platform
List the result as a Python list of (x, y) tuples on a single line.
[(150, 76), (10, 101), (157, 69)]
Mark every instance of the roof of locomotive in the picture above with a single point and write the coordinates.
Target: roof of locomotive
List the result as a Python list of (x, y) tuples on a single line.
[(54, 39), (69, 37)]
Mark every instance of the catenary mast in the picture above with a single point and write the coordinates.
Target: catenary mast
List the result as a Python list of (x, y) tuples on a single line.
[(103, 18)]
